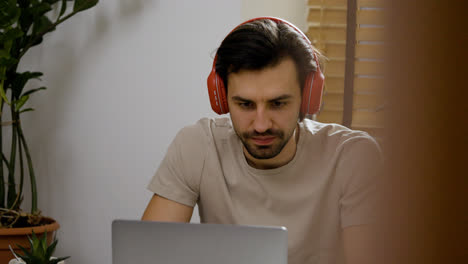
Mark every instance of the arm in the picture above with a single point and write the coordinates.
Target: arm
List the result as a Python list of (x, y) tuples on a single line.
[(164, 210), (360, 169), (359, 245), (176, 182)]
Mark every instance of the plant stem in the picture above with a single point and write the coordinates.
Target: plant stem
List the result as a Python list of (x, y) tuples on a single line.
[(2, 89), (18, 199), (32, 177), (11, 173), (5, 160), (2, 180)]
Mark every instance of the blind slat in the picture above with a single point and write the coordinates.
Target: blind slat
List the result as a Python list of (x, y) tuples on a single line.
[(330, 116), (369, 68), (370, 17), (367, 85), (327, 3), (327, 34), (370, 51), (370, 34), (327, 16), (366, 118), (367, 101), (335, 68), (334, 84), (333, 101), (335, 50)]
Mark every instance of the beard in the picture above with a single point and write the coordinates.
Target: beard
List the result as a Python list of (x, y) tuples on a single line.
[(265, 151)]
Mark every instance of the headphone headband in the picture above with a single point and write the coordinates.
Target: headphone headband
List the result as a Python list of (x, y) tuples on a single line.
[(277, 20)]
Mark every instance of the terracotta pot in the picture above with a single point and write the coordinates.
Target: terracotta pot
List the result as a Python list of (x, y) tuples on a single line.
[(14, 236)]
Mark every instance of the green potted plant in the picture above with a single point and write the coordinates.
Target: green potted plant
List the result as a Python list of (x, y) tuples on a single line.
[(39, 252), (23, 24)]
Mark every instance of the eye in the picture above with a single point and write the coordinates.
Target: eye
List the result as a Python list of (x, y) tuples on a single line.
[(246, 105), (277, 104)]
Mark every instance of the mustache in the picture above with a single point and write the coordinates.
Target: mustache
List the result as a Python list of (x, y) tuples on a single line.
[(269, 132)]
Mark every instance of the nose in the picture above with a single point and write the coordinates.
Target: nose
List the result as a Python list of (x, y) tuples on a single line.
[(262, 121)]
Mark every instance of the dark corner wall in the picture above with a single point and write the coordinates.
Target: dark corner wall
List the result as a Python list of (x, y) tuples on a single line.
[(425, 205)]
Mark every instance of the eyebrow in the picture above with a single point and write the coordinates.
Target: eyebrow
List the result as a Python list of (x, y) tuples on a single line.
[(279, 98), (282, 97)]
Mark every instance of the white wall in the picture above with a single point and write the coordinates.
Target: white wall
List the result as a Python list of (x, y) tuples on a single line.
[(294, 11), (123, 78)]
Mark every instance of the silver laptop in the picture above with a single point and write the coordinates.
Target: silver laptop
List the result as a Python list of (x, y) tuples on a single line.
[(142, 242)]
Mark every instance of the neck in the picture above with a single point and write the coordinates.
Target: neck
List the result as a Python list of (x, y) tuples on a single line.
[(283, 158)]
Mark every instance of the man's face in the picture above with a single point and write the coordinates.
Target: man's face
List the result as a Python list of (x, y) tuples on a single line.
[(264, 107)]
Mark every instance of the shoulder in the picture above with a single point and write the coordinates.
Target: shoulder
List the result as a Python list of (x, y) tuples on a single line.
[(339, 137), (356, 156), (204, 130), (331, 130)]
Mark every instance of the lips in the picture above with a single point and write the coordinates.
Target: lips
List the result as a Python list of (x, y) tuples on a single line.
[(262, 141)]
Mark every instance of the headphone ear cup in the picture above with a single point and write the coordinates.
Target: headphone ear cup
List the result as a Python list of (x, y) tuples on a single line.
[(222, 95), (317, 91), (217, 93), (312, 93)]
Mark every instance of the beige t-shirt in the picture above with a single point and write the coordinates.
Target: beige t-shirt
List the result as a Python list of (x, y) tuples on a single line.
[(326, 187)]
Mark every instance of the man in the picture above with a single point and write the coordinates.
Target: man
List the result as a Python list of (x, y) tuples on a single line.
[(266, 164)]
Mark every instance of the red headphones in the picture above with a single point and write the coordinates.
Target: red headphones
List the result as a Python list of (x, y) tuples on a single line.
[(311, 94)]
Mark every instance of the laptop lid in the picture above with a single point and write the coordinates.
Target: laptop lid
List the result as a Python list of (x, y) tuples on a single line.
[(187, 243)]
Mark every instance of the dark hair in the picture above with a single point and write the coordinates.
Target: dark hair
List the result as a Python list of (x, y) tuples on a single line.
[(263, 43)]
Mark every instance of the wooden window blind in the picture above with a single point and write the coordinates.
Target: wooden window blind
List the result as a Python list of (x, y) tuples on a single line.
[(328, 31)]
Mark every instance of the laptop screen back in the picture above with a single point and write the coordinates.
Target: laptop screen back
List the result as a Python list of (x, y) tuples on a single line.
[(187, 243)]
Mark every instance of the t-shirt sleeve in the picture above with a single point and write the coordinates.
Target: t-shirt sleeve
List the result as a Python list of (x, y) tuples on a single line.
[(179, 174), (358, 169)]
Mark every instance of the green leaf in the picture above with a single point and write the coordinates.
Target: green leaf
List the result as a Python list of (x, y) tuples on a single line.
[(43, 243), (81, 5), (33, 241), (8, 62), (51, 2), (11, 35), (55, 261), (38, 248), (42, 8), (9, 13), (26, 252), (26, 19), (24, 3), (33, 75), (63, 8), (27, 110), (20, 80), (21, 102), (34, 90), (4, 54), (41, 25), (3, 95), (50, 250)]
